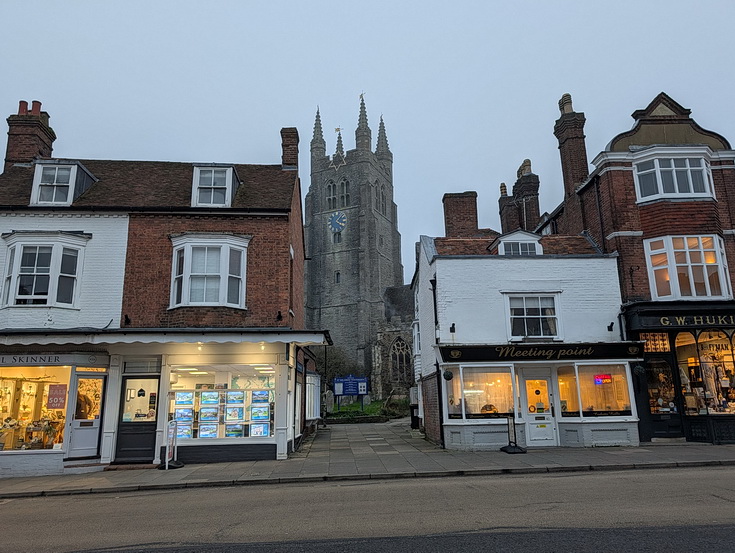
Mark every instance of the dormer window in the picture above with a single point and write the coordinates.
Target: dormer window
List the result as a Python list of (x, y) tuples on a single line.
[(57, 182), (519, 248), (519, 243), (212, 187), (53, 184)]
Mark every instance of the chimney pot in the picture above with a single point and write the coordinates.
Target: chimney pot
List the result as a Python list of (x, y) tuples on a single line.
[(503, 189), (565, 104), (22, 107), (36, 107)]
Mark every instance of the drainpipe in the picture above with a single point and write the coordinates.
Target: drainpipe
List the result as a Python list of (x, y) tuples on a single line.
[(439, 402)]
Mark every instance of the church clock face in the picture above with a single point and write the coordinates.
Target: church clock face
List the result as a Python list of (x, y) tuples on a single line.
[(337, 221)]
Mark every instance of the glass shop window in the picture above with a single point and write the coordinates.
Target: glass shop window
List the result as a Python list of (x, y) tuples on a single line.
[(707, 372), (604, 390), (661, 390), (568, 395), (33, 405), (454, 393), (483, 392), (228, 401)]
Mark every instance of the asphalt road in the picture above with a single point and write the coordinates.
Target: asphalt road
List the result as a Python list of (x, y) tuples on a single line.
[(668, 510)]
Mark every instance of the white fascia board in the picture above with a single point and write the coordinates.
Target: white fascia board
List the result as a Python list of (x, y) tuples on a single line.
[(204, 336)]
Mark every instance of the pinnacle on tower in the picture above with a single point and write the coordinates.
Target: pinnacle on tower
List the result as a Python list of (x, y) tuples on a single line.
[(340, 149), (382, 149), (363, 136), (318, 146)]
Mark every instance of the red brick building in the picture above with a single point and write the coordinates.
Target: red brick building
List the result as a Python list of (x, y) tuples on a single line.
[(163, 291), (659, 197)]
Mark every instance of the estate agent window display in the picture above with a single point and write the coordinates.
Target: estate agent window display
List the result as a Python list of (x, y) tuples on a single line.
[(222, 402)]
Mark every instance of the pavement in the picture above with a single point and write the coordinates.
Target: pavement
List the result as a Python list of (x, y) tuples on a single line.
[(373, 452)]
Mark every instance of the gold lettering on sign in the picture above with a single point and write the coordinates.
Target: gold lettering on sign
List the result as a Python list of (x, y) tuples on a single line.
[(681, 321), (665, 321), (698, 320)]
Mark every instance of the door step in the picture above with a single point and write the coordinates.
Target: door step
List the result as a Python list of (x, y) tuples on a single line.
[(82, 467), (135, 466), (669, 441)]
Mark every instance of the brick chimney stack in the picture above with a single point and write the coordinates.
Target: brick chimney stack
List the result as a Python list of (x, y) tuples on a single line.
[(569, 131), (29, 135), (460, 214), (289, 148)]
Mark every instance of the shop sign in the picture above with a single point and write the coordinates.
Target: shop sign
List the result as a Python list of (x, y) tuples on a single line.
[(52, 359), (603, 379), (672, 320), (56, 396), (543, 352)]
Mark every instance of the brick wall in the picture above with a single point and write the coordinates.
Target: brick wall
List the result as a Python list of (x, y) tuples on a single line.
[(432, 420), (460, 214), (29, 135), (146, 295)]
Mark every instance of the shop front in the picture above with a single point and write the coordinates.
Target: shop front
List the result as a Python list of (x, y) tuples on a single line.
[(548, 395), (686, 384), (51, 410)]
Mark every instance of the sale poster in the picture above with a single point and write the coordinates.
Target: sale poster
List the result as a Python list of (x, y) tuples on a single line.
[(56, 396)]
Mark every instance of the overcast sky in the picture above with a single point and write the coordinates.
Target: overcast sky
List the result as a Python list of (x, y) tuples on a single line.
[(467, 89)]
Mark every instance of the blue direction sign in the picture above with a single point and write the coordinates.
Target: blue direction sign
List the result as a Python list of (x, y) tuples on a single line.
[(351, 386)]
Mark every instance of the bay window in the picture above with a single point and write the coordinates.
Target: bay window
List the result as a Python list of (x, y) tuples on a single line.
[(673, 177), (42, 268), (683, 267), (209, 270)]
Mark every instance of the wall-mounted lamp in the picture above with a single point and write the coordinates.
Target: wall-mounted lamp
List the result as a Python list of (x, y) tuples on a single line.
[(610, 326), (279, 317), (452, 328)]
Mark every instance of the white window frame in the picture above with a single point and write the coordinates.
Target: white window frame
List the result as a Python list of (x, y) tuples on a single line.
[(37, 184), (525, 295), (657, 156), (653, 249), (184, 244), (196, 186), (507, 245), (58, 242)]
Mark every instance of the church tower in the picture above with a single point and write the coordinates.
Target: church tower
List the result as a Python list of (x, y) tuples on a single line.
[(353, 246)]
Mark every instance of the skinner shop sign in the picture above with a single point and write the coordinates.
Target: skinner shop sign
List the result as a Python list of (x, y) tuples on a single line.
[(52, 359), (545, 352)]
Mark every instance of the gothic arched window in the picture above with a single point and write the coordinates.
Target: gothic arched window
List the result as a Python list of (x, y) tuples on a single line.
[(331, 195), (344, 193), (382, 200), (400, 361), (377, 196), (336, 238)]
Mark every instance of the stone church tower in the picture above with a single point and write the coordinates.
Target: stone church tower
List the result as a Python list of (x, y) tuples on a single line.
[(353, 247)]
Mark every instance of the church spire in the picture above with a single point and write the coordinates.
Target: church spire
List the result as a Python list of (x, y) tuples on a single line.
[(382, 150), (363, 136), (318, 146)]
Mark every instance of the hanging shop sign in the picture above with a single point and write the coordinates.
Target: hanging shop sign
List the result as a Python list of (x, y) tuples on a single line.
[(543, 352), (56, 396)]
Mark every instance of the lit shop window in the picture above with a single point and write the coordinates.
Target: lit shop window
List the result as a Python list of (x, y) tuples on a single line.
[(604, 390), (232, 401), (479, 393), (568, 394), (33, 406)]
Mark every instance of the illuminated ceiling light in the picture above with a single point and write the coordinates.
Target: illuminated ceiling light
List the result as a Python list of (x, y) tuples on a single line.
[(199, 372), (262, 346), (185, 369)]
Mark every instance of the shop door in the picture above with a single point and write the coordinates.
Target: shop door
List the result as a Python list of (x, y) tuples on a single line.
[(86, 420), (136, 431), (540, 420)]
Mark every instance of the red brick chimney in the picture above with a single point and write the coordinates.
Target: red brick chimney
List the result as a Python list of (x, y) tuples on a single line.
[(290, 148), (460, 214), (29, 135), (569, 131)]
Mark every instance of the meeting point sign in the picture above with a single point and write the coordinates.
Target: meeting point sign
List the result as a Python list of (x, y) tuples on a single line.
[(543, 352)]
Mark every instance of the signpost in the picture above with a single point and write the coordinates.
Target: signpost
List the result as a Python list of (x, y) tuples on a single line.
[(171, 448), (351, 386)]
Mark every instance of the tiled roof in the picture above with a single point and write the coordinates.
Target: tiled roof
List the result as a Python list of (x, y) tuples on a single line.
[(154, 184), (552, 245)]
